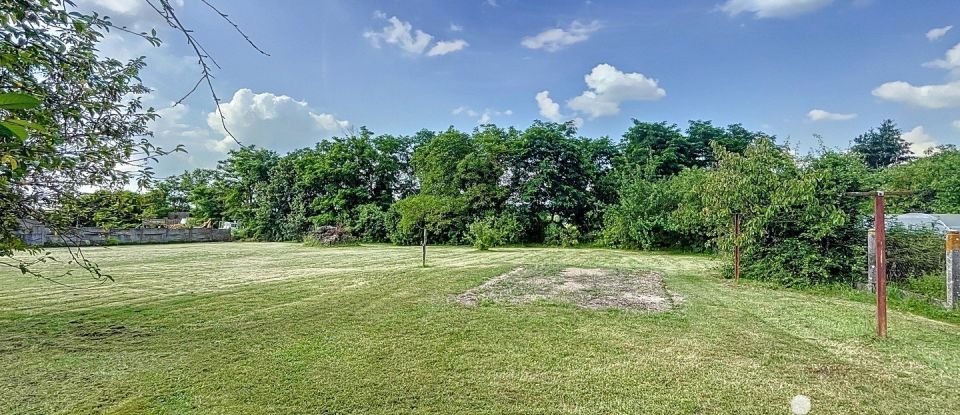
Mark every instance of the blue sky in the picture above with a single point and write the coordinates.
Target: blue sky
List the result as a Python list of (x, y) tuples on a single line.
[(399, 66)]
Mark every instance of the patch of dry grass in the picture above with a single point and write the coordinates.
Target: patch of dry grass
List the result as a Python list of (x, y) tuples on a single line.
[(591, 288)]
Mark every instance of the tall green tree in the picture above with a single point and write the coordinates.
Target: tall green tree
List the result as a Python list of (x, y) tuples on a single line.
[(551, 177), (935, 181), (89, 127), (882, 147)]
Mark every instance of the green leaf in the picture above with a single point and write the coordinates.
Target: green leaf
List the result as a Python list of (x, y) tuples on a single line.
[(15, 101), (27, 124), (9, 129)]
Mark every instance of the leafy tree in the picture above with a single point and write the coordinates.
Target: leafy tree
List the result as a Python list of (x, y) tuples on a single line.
[(88, 129), (935, 181), (798, 227), (657, 149), (663, 213), (882, 147), (435, 214), (103, 208), (550, 176), (246, 173), (435, 162)]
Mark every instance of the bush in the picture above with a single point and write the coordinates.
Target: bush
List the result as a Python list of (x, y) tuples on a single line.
[(483, 234), (563, 235), (372, 223), (914, 253)]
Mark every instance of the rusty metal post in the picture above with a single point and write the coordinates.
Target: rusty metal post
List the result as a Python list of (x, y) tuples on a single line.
[(872, 260), (953, 269), (736, 247), (881, 237)]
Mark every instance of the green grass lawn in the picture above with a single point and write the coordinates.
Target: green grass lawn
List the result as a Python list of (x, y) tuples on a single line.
[(279, 328)]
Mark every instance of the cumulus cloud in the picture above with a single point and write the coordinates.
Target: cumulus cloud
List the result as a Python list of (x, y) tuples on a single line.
[(821, 115), (377, 14), (558, 38), (920, 141), (762, 9), (275, 121), (415, 42), (928, 96), (455, 27), (937, 33), (951, 61), (609, 87), (549, 109), (444, 47)]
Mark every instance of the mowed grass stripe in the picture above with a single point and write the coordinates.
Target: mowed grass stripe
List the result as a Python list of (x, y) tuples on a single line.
[(280, 328)]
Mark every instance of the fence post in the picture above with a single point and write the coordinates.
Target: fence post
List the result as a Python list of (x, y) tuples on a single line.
[(953, 269), (872, 260)]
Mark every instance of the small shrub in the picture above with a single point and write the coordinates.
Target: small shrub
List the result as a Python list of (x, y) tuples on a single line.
[(483, 234), (930, 286), (563, 235)]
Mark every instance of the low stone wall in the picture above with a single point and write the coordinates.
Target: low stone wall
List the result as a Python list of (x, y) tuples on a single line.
[(41, 235)]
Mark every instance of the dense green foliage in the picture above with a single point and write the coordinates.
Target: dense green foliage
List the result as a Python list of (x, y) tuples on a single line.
[(912, 254), (882, 147), (70, 120), (934, 179), (659, 188)]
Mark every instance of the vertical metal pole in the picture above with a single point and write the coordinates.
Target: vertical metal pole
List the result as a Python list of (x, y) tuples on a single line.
[(880, 226), (736, 246), (423, 245), (953, 269)]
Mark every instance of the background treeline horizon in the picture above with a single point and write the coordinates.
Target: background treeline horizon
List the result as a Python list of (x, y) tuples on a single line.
[(658, 187)]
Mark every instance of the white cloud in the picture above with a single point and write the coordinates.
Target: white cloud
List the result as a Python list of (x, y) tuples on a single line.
[(558, 38), (464, 110), (402, 35), (920, 141), (951, 61), (821, 115), (455, 27), (444, 47), (956, 124), (492, 3), (549, 109), (377, 14), (609, 87), (484, 117), (937, 33), (277, 122), (772, 8), (927, 96), (415, 42)]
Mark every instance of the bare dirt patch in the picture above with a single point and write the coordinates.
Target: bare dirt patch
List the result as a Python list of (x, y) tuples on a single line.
[(592, 288)]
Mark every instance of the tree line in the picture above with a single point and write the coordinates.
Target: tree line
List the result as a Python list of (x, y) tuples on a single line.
[(658, 187)]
